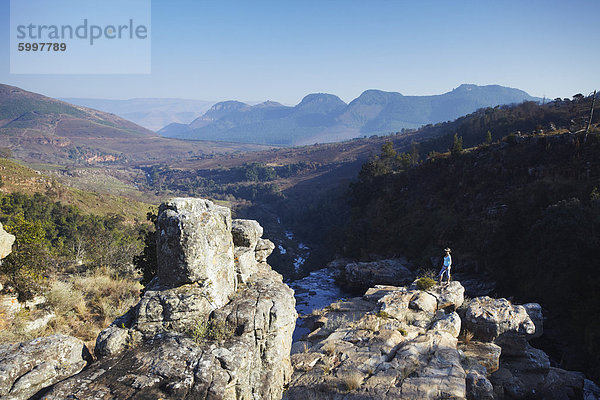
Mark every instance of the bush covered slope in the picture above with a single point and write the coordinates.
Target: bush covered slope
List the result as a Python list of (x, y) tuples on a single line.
[(525, 211)]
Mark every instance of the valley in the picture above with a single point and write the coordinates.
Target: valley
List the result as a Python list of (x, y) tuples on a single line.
[(404, 194)]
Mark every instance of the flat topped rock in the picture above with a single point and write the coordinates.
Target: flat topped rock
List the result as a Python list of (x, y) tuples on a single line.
[(194, 244), (27, 367), (490, 318)]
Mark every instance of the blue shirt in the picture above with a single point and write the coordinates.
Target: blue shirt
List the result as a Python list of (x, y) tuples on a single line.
[(447, 261)]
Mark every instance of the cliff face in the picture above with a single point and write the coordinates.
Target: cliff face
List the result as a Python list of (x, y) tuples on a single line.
[(402, 342), (216, 322)]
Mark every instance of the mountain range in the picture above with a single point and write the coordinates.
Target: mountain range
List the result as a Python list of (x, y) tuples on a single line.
[(150, 113), (37, 128), (322, 118)]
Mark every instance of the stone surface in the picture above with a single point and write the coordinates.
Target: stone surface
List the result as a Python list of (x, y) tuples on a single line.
[(423, 301), (449, 295), (27, 367), (194, 244), (490, 318), (403, 345), (6, 242), (263, 249), (479, 387), (184, 340), (173, 309), (360, 276), (487, 355), (387, 350), (246, 232), (534, 310), (448, 323), (252, 363), (245, 263)]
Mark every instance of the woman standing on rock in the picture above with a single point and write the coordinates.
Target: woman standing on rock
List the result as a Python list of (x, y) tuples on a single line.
[(447, 265)]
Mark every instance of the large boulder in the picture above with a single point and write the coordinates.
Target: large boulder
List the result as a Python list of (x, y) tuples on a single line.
[(6, 242), (360, 276), (246, 232), (27, 367), (449, 296), (194, 244), (490, 318)]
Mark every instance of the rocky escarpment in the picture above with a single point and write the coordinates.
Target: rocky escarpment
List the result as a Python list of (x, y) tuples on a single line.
[(215, 323), (403, 342)]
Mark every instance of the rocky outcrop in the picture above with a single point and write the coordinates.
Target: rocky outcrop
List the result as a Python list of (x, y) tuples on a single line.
[(400, 345), (249, 359), (218, 326), (27, 367), (489, 319), (402, 342), (360, 276), (6, 242), (194, 245)]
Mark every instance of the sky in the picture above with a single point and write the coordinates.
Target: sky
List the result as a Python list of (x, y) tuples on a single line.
[(282, 50)]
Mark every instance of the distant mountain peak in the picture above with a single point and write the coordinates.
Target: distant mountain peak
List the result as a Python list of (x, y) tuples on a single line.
[(322, 117), (320, 103), (228, 105)]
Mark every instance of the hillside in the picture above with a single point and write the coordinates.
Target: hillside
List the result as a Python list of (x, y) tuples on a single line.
[(150, 113), (17, 178), (41, 129), (321, 118), (523, 212)]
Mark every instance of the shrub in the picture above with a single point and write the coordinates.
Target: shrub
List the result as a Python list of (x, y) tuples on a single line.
[(63, 298), (24, 268), (211, 329), (425, 283)]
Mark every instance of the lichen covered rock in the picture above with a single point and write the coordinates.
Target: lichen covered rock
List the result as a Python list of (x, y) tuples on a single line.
[(194, 244), (27, 367)]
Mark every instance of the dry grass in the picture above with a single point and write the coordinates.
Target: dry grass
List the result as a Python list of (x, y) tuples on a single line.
[(466, 336), (83, 304), (353, 380), (329, 348)]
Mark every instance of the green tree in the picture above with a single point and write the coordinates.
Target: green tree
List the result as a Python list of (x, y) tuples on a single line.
[(488, 137), (387, 151), (414, 154), (457, 145), (146, 262), (24, 268)]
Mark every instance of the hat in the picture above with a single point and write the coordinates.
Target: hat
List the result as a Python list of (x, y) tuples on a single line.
[(447, 249)]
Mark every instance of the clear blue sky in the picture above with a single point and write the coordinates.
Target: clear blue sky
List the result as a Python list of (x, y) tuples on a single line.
[(282, 50)]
